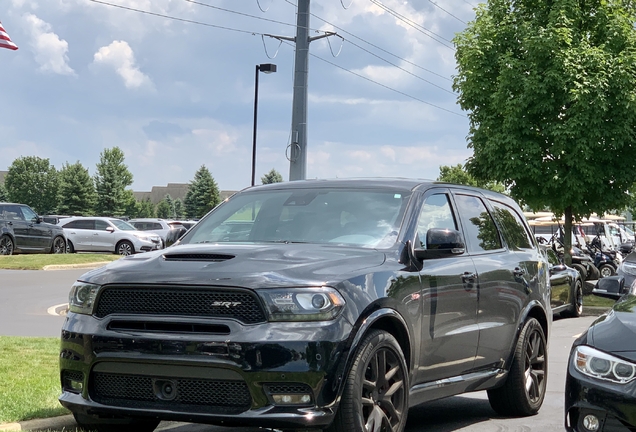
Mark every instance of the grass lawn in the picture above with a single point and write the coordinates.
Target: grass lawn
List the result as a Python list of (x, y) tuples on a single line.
[(592, 300), (29, 378), (38, 261)]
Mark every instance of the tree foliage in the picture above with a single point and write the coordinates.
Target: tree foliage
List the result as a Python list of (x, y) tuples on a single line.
[(203, 194), (4, 196), (146, 209), (33, 181), (549, 87), (179, 210), (272, 177), (111, 179), (165, 208), (457, 174), (76, 192)]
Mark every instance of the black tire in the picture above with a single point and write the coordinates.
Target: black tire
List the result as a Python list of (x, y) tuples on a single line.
[(89, 423), (69, 247), (576, 308), (524, 390), (606, 270), (581, 269), (124, 248), (58, 246), (376, 389), (6, 245), (593, 273)]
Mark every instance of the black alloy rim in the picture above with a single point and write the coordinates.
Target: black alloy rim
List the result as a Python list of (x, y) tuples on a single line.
[(383, 392), (535, 366), (59, 246), (6, 246)]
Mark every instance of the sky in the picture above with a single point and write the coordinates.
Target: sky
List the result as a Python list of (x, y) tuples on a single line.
[(171, 83)]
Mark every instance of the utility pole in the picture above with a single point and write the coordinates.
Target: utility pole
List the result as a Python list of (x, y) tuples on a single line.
[(298, 147)]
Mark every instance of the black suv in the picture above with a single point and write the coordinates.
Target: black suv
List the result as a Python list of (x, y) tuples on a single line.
[(323, 304), (22, 231)]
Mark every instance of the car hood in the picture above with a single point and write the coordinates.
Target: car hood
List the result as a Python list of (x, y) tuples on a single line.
[(245, 265), (616, 331)]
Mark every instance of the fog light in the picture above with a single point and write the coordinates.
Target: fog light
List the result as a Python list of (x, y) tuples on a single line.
[(591, 423), (291, 399), (76, 385)]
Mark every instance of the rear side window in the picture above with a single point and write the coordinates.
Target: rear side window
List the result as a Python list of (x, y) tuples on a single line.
[(80, 224), (479, 228), (512, 227)]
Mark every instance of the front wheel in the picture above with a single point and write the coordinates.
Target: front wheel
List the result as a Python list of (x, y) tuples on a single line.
[(89, 423), (59, 245), (576, 308), (524, 390), (375, 396), (606, 270), (125, 248), (581, 269), (6, 245)]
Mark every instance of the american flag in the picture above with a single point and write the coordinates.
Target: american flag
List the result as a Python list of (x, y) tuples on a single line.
[(5, 40)]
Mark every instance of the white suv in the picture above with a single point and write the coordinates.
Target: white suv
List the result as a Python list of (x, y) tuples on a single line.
[(169, 231), (106, 234)]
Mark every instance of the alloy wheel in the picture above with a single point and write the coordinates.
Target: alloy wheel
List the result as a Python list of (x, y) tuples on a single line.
[(535, 367), (6, 246), (59, 245), (383, 392)]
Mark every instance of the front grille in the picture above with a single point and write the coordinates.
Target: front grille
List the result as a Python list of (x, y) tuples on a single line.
[(194, 302), (192, 395), (291, 388)]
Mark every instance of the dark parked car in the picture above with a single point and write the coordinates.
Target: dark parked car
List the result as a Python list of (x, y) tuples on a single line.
[(22, 231), (600, 387), (627, 269), (315, 304), (566, 286)]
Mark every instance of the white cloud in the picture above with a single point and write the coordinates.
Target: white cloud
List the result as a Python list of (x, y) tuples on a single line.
[(50, 52), (119, 56)]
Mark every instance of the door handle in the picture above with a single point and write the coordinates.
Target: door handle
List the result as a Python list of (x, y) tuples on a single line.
[(95, 233), (468, 277), (9, 223), (519, 271)]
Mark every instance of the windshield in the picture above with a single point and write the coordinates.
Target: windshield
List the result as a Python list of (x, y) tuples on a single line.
[(124, 226), (362, 217)]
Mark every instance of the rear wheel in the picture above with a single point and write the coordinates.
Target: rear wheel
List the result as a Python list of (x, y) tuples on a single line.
[(59, 245), (69, 247), (98, 424), (524, 390), (6, 245), (581, 269), (125, 248), (375, 396), (606, 270), (576, 308), (593, 273)]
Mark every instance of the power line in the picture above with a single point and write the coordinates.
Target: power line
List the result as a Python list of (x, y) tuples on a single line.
[(413, 24), (438, 6)]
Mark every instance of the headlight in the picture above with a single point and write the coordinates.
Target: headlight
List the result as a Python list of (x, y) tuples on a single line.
[(81, 299), (141, 236), (597, 364), (302, 304), (629, 267)]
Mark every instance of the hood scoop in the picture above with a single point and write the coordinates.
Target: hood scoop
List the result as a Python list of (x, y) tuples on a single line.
[(197, 257)]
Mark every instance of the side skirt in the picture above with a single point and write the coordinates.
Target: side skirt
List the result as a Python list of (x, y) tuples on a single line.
[(476, 381)]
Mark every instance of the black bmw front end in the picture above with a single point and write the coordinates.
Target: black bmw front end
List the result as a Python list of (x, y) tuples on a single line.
[(600, 391)]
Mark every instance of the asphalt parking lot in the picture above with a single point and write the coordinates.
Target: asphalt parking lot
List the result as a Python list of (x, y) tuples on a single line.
[(31, 295)]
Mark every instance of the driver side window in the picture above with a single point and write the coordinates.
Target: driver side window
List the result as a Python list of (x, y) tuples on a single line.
[(435, 213)]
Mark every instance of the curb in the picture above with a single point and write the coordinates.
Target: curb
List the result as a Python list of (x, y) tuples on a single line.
[(60, 423), (92, 265)]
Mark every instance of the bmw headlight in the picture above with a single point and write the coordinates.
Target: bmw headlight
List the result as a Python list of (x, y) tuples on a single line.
[(302, 304), (81, 299), (597, 364)]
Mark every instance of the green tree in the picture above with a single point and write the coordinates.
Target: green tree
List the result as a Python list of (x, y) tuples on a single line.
[(146, 209), (272, 177), (164, 209), (4, 196), (76, 193), (458, 175), (131, 205), (203, 194), (179, 210), (33, 181), (549, 88), (111, 179)]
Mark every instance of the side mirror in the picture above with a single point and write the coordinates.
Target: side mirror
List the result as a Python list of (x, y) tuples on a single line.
[(557, 268), (441, 243), (110, 229), (612, 287)]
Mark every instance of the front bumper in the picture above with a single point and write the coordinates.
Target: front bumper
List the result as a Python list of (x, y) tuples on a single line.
[(227, 379), (147, 245), (613, 405)]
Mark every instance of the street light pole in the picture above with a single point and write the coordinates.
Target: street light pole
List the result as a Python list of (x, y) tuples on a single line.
[(265, 68)]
